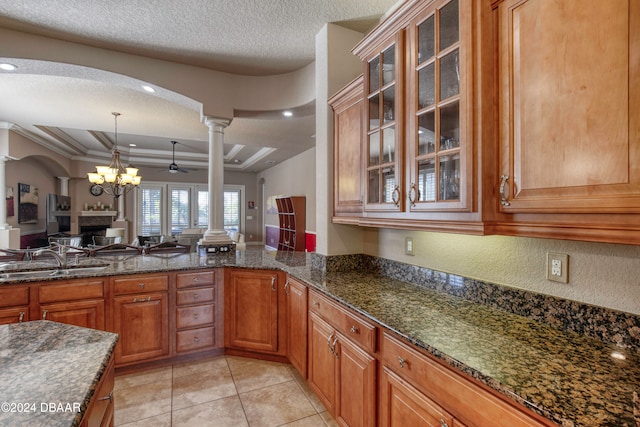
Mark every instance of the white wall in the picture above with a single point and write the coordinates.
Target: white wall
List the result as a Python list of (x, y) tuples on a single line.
[(606, 275)]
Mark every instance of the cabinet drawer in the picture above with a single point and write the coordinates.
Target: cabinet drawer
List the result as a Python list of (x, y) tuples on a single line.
[(189, 280), (194, 339), (71, 291), (453, 390), (11, 296), (132, 285), (194, 296), (357, 330), (188, 317), (101, 400)]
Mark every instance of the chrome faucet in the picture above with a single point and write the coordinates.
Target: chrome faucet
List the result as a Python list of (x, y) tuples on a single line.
[(61, 256)]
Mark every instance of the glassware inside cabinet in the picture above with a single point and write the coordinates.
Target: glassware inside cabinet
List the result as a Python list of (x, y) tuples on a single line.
[(450, 127), (389, 143), (389, 184), (449, 75), (389, 104), (449, 177)]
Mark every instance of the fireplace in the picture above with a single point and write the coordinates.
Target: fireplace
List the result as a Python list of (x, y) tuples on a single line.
[(93, 225)]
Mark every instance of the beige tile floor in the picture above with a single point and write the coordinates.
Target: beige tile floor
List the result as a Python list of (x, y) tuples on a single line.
[(220, 391)]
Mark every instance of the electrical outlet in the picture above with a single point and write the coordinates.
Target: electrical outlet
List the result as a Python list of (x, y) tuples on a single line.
[(408, 245), (558, 267)]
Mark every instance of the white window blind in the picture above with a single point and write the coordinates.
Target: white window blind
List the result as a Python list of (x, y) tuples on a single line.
[(179, 210), (151, 218), (203, 208), (232, 210)]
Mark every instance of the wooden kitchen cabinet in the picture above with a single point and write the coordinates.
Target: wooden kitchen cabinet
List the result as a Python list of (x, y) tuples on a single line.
[(415, 390), (297, 313), (348, 125), (75, 302), (255, 313), (340, 371), (195, 311), (101, 408), (141, 318), (427, 87), (14, 304), (569, 84)]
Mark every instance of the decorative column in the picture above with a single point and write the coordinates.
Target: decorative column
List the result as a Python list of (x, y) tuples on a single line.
[(64, 185), (215, 236), (120, 209)]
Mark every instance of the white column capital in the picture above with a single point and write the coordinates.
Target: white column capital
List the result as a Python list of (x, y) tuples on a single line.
[(214, 122)]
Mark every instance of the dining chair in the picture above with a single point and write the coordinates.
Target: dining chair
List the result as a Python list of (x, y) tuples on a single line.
[(167, 247), (115, 249)]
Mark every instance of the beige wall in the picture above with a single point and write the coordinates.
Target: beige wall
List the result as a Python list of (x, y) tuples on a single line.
[(293, 177), (601, 274)]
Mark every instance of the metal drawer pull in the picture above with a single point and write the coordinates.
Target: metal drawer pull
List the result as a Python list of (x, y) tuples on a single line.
[(196, 339), (443, 423), (354, 330), (401, 361), (273, 284), (329, 340), (109, 397), (21, 317), (503, 197), (196, 279), (44, 314), (333, 346), (147, 299), (195, 315), (141, 285), (315, 304), (286, 287), (195, 296)]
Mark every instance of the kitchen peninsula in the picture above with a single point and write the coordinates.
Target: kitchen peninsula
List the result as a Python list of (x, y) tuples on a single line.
[(532, 368)]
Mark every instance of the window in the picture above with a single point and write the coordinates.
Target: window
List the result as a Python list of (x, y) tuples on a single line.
[(186, 206)]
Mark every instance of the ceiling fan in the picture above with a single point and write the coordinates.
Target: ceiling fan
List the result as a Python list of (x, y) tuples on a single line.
[(173, 167)]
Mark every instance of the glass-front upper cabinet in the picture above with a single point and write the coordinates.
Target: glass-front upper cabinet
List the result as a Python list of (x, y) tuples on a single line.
[(384, 121), (439, 140)]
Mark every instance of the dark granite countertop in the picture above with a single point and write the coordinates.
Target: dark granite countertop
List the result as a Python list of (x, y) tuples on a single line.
[(44, 363), (569, 378)]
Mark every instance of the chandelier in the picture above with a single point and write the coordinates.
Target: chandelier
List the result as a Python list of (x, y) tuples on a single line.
[(115, 179)]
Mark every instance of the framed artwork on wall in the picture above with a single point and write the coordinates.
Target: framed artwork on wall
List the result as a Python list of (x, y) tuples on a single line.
[(27, 204)]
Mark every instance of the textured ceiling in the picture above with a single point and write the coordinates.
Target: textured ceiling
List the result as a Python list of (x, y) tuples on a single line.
[(65, 109)]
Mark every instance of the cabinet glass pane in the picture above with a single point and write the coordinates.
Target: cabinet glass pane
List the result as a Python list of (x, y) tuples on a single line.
[(389, 101), (374, 75), (426, 133), (450, 127), (450, 177), (449, 75), (374, 112), (389, 141), (388, 65), (426, 180), (426, 40), (374, 187), (426, 86), (374, 149), (449, 25), (388, 183)]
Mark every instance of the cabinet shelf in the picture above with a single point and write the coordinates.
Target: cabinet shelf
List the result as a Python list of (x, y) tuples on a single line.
[(291, 214)]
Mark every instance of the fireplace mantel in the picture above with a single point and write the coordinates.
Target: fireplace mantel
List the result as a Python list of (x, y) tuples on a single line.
[(98, 213)]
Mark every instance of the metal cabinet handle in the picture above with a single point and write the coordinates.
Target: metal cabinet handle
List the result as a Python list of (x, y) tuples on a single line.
[(21, 317), (273, 283), (395, 196), (333, 346), (443, 423), (196, 279), (195, 296), (329, 339), (196, 315), (147, 299), (402, 361), (354, 330), (503, 196), (109, 397), (141, 285), (286, 287), (414, 194), (44, 314), (315, 304), (196, 339)]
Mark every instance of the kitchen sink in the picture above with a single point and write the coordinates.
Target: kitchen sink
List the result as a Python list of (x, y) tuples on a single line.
[(35, 270)]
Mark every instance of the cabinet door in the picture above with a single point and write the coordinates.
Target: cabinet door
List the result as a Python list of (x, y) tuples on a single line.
[(402, 405), (348, 127), (88, 314), (142, 321), (14, 315), (356, 399), (251, 310), (440, 137), (322, 372), (569, 91), (384, 122), (297, 320)]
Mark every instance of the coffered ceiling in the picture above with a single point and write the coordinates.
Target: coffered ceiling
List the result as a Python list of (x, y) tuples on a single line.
[(68, 110)]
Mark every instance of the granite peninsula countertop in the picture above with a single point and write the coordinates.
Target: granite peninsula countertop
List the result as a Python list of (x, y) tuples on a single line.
[(44, 363), (566, 377)]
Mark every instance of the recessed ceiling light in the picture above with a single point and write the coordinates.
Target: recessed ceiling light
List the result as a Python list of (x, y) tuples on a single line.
[(148, 88), (132, 145), (287, 113), (7, 67)]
